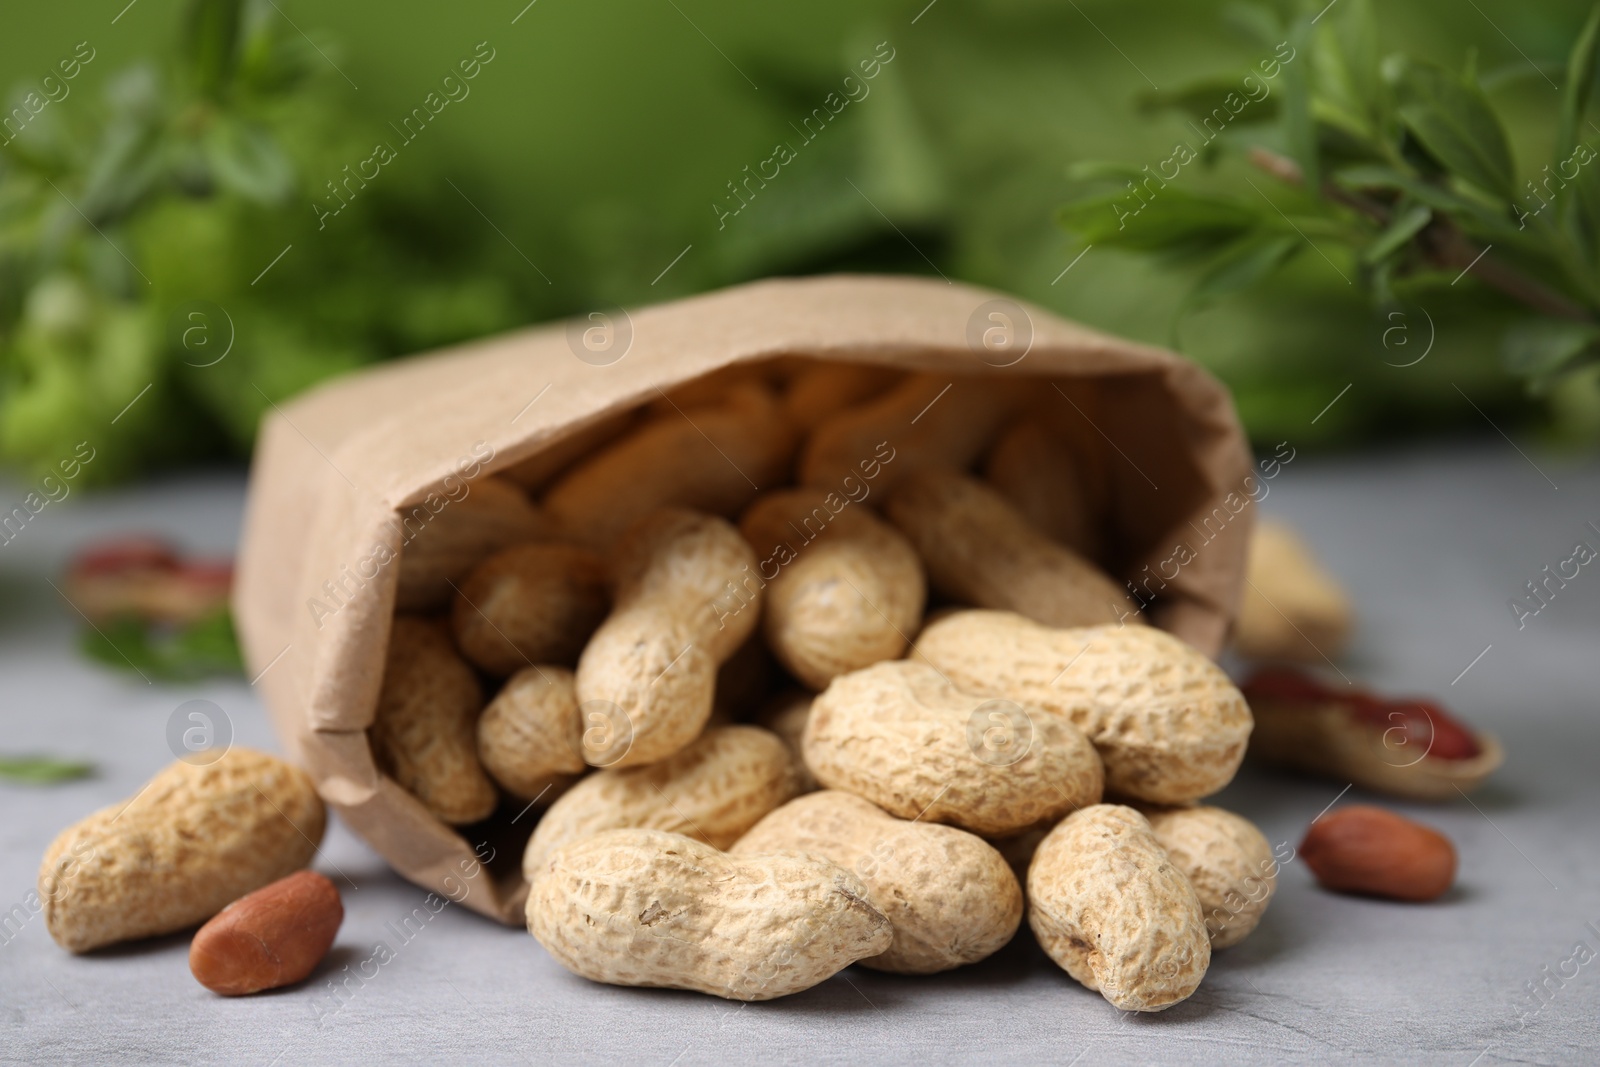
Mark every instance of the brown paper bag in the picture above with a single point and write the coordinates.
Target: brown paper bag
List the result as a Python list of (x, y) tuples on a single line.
[(340, 471)]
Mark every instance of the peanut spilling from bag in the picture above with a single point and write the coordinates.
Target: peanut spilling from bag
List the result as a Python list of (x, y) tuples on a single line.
[(900, 735), (710, 458), (650, 908), (530, 737), (981, 551), (1110, 906), (651, 667), (192, 841), (423, 733), (1168, 723), (638, 631), (950, 896), (1228, 862), (843, 587), (714, 791)]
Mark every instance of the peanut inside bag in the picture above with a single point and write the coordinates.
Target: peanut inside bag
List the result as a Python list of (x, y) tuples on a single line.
[(469, 579)]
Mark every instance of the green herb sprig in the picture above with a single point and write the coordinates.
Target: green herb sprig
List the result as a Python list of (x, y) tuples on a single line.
[(1395, 169)]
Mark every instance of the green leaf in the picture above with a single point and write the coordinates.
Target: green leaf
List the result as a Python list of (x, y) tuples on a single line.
[(211, 44), (1404, 226), (1455, 124), (1575, 94), (42, 770), (247, 160), (1542, 349), (1090, 170), (1169, 218), (206, 647), (1255, 20), (1582, 217), (1473, 215), (1242, 266), (1346, 62), (1299, 128), (1200, 99)]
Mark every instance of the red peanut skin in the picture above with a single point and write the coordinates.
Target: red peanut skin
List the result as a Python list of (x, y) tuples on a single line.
[(1367, 850), (273, 937)]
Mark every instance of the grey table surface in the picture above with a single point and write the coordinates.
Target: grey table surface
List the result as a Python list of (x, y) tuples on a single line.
[(1432, 545)]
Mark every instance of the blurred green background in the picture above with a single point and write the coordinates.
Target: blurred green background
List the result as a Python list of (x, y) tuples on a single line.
[(589, 152)]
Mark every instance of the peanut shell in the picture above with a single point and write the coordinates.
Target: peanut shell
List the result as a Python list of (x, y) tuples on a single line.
[(1168, 723), (950, 895), (1109, 905), (900, 735), (638, 907), (713, 791), (194, 839)]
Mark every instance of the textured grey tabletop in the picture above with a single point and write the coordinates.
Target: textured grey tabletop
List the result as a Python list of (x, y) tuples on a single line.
[(1432, 546)]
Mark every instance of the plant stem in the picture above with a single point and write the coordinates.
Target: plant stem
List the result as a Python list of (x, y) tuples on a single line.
[(1441, 242)]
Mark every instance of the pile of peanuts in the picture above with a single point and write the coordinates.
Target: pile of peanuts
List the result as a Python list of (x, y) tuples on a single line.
[(709, 828), (698, 638)]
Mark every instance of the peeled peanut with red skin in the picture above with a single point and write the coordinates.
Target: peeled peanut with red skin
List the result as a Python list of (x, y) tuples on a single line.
[(980, 550), (423, 733), (273, 937), (900, 735), (528, 604), (652, 665), (844, 589), (1371, 851)]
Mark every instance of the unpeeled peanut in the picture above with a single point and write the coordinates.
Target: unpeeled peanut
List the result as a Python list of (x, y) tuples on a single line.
[(844, 589), (272, 937), (717, 387), (926, 420), (823, 390), (534, 603), (713, 791), (540, 469), (980, 550), (1291, 608), (196, 838), (652, 665), (950, 895), (1227, 860), (638, 907), (1059, 489), (530, 737), (423, 732), (1168, 723), (900, 735), (713, 459), (446, 537), (1109, 905)]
